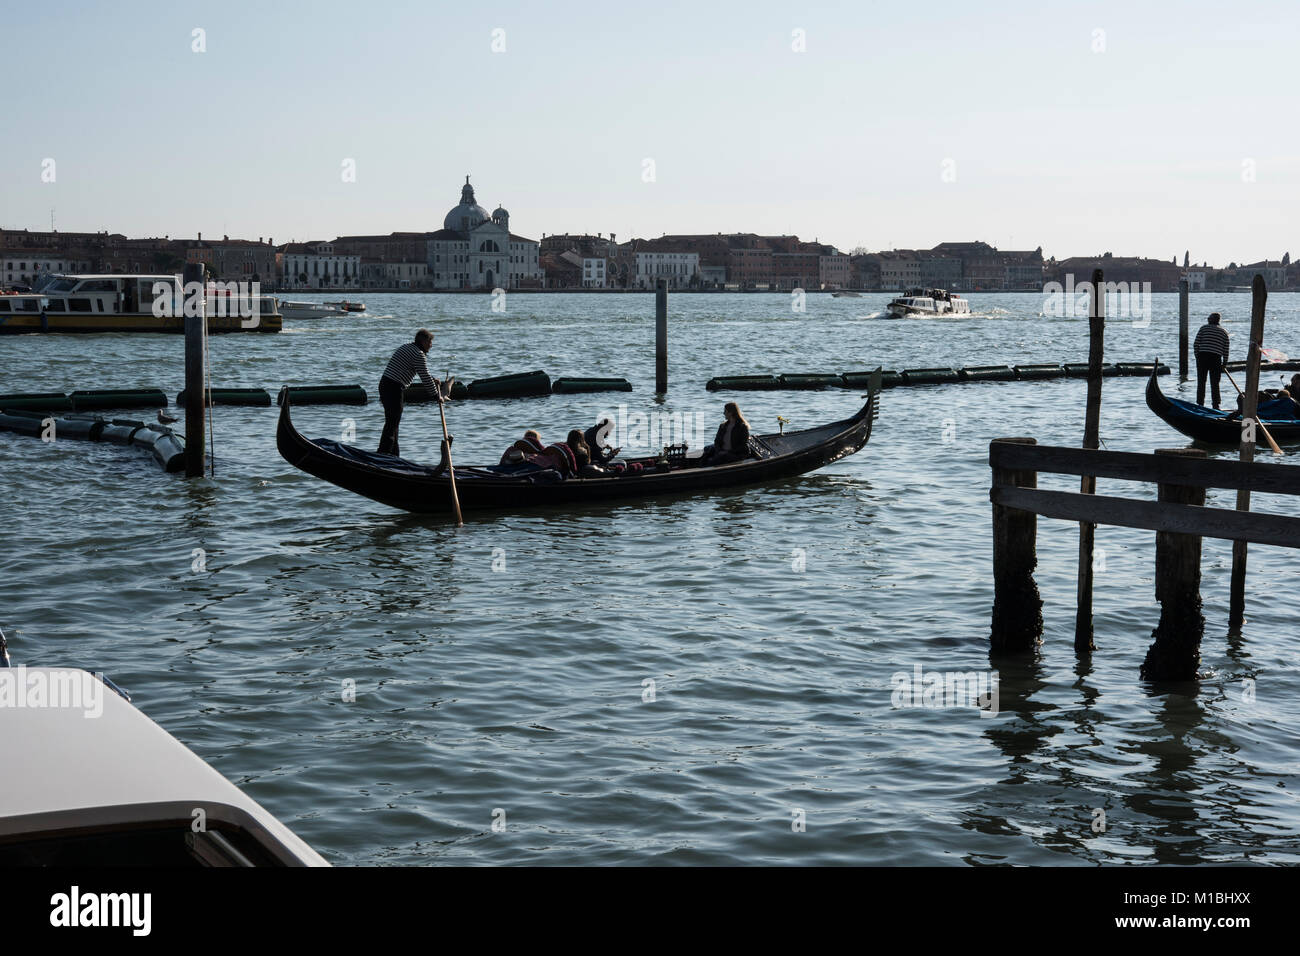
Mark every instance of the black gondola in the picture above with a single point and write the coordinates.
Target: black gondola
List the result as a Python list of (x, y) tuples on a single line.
[(1208, 425), (402, 484)]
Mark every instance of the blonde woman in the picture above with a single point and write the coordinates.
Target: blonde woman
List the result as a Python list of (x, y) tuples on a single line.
[(732, 440)]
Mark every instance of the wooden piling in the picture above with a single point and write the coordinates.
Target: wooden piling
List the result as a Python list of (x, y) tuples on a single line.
[(661, 336), (1017, 605), (1175, 652), (1083, 632), (195, 359), (1249, 406), (1182, 330)]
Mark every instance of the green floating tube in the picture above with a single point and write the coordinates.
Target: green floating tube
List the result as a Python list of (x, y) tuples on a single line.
[(811, 381), (1026, 372), (167, 448), (929, 376), (326, 395), (567, 386), (118, 398), (37, 401), (22, 423), (1139, 368), (417, 394), (888, 379), (511, 386), (743, 383), (235, 396), (1080, 369), (987, 373)]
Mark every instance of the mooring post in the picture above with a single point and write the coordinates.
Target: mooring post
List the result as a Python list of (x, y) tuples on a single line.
[(1017, 605), (1182, 330), (1249, 406), (1175, 652), (661, 336), (1083, 643), (194, 362)]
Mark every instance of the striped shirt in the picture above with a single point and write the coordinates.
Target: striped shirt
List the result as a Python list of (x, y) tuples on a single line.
[(408, 362), (1212, 338)]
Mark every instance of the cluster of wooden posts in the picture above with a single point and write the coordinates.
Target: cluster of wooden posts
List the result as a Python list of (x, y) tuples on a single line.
[(1178, 516)]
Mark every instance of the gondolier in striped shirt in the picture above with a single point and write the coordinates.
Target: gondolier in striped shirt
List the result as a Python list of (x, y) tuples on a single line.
[(1211, 348), (407, 362)]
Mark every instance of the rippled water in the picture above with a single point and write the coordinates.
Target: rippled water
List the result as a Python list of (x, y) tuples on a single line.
[(519, 690)]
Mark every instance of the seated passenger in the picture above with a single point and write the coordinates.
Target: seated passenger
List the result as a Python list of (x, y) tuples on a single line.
[(601, 453), (587, 468), (522, 450), (732, 440)]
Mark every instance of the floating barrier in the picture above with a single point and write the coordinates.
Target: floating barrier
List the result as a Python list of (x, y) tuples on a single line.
[(888, 379), (1139, 368), (37, 401), (326, 395), (166, 447), (987, 373), (810, 381), (234, 396), (743, 383), (929, 376), (93, 399), (418, 394), (1028, 372), (568, 386), (1080, 370), (511, 386)]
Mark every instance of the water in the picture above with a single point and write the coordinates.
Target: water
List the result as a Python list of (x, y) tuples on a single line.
[(517, 693)]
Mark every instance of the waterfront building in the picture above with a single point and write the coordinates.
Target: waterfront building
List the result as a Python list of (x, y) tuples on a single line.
[(232, 260), (25, 266), (403, 274), (475, 250), (318, 265), (655, 259)]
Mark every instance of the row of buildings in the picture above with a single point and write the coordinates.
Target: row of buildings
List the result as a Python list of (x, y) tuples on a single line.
[(475, 249)]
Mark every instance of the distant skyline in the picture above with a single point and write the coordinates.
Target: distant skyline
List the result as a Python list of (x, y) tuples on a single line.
[(1170, 131)]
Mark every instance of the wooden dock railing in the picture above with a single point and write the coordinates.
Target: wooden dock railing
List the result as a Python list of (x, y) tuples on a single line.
[(1178, 516)]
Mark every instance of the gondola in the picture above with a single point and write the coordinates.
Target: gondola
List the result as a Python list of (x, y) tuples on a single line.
[(424, 489), (1207, 424)]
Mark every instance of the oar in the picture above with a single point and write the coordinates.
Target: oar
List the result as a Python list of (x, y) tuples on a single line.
[(446, 450), (1271, 444)]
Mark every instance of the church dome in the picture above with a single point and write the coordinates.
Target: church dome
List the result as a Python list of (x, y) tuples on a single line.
[(468, 214), (500, 213)]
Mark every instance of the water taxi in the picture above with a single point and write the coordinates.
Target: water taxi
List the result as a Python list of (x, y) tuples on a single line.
[(129, 303), (927, 302), (309, 310)]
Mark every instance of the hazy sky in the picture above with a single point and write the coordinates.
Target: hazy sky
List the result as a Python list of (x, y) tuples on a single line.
[(1143, 148)]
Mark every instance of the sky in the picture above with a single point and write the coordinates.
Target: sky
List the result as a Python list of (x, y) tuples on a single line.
[(1133, 128)]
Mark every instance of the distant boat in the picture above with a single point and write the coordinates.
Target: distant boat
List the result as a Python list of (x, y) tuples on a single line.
[(928, 302), (846, 295), (310, 310), (347, 306)]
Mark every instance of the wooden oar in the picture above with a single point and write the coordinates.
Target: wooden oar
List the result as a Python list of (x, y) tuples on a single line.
[(446, 450), (1271, 444)]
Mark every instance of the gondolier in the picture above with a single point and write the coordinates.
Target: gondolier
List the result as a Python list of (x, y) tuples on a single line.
[(1211, 348), (407, 362)]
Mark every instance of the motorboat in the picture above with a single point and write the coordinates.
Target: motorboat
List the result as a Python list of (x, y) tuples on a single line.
[(310, 310), (928, 302)]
